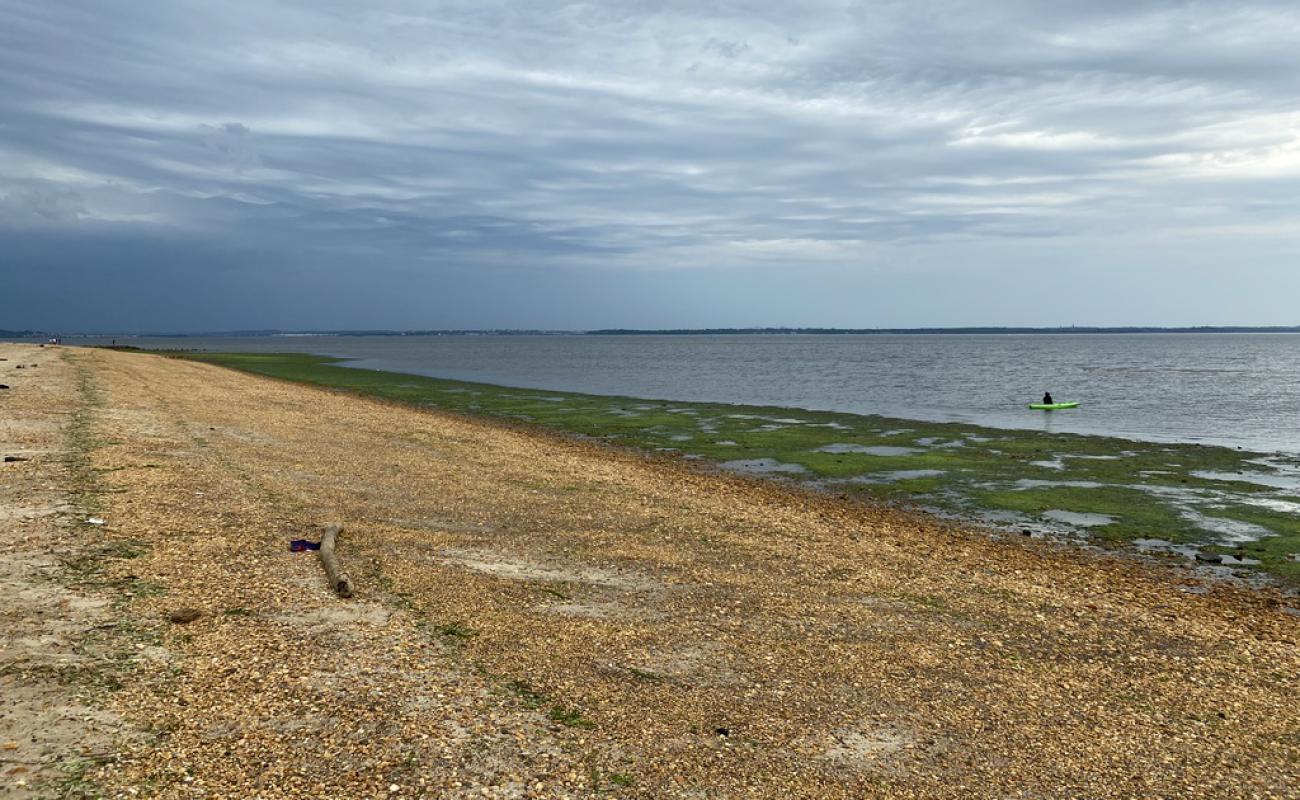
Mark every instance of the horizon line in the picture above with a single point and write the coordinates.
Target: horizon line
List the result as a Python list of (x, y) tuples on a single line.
[(754, 330)]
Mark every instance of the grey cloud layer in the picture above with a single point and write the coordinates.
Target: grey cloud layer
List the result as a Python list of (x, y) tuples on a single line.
[(444, 146)]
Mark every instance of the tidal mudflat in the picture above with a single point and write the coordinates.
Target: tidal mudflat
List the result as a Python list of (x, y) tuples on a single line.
[(1234, 510)]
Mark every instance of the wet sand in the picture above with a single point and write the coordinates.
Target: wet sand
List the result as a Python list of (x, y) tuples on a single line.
[(537, 617)]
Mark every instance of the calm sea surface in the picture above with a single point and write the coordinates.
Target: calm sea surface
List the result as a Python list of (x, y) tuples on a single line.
[(1233, 389)]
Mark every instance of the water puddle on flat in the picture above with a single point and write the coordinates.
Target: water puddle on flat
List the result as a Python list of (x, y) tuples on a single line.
[(1278, 463), (1258, 478), (1272, 504), (1056, 464), (1078, 519), (1165, 546), (898, 475), (1001, 517), (762, 466), (1031, 483), (1230, 531), (1026, 525), (1233, 561), (871, 450), (1175, 493)]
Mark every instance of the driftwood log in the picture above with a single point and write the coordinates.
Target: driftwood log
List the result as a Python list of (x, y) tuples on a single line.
[(339, 580)]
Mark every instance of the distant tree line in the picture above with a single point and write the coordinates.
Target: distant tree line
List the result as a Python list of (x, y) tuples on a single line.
[(27, 334), (969, 330)]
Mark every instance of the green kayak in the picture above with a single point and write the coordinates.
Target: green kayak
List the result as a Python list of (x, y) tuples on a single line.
[(1052, 406)]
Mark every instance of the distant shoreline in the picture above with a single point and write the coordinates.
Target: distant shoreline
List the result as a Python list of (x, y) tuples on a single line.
[(934, 331), (975, 330)]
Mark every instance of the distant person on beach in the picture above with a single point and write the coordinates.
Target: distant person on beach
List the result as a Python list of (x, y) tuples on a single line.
[(1047, 398)]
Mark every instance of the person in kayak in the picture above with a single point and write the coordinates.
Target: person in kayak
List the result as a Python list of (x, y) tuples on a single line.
[(1047, 398)]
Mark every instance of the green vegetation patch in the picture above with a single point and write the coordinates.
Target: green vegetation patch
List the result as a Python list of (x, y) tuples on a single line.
[(528, 696), (455, 630), (569, 717)]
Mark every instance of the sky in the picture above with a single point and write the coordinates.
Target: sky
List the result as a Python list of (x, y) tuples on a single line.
[(188, 165)]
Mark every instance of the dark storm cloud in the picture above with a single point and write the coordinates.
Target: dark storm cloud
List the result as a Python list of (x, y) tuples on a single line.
[(423, 156)]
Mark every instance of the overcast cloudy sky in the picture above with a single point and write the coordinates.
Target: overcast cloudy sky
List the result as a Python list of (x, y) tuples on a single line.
[(190, 165)]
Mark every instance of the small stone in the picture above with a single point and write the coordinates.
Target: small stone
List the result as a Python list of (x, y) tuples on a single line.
[(12, 459), (182, 616)]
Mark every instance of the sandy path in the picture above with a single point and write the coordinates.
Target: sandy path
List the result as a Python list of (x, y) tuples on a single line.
[(55, 645), (544, 618)]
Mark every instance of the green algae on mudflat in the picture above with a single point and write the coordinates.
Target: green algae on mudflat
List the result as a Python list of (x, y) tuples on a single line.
[(1147, 490)]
